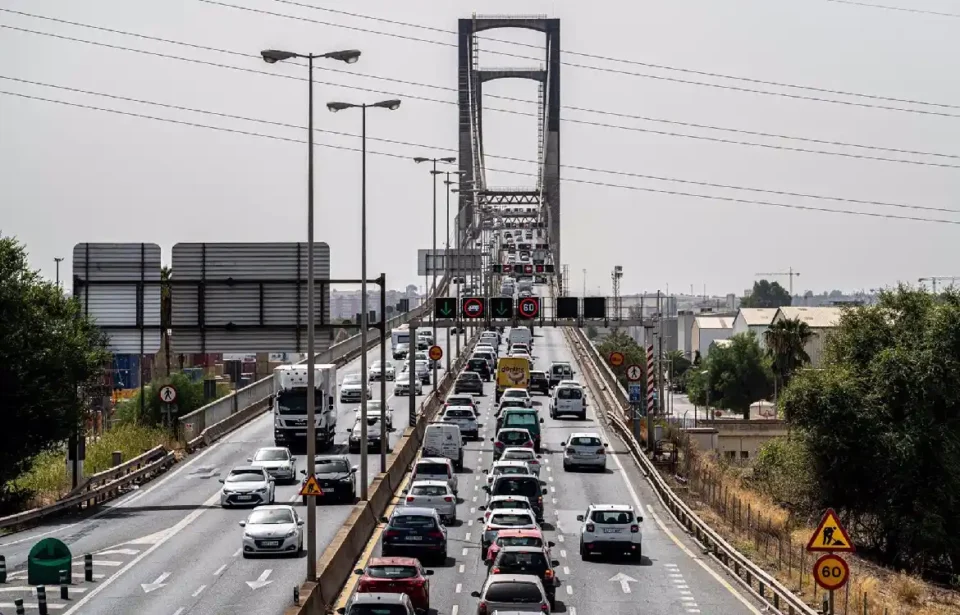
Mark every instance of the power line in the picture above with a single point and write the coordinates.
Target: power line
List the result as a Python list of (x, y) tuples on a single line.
[(451, 89), (895, 8), (507, 158), (449, 102), (568, 180), (632, 62)]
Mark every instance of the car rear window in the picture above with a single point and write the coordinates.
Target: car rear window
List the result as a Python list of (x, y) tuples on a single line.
[(510, 519), (429, 490), (392, 572), (460, 401), (521, 419), (569, 393), (413, 521), (431, 468), (514, 436), (477, 362), (460, 414), (518, 485), (507, 470), (523, 455), (519, 541), (377, 609), (513, 591), (620, 517), (468, 376), (514, 393), (501, 504), (585, 441), (523, 560)]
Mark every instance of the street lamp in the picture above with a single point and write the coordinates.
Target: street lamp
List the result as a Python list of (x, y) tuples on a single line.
[(474, 192), (272, 56), (434, 172), (391, 105)]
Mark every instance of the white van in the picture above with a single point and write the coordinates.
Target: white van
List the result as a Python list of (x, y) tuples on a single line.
[(520, 335), (569, 400), (444, 440)]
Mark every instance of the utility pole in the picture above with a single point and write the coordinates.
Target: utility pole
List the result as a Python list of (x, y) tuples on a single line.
[(584, 282), (57, 260)]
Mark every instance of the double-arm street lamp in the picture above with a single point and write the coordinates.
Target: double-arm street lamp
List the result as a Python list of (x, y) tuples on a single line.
[(272, 56), (391, 105), (433, 259)]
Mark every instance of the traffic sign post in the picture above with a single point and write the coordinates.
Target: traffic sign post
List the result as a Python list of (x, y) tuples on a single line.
[(528, 307), (168, 405), (616, 358), (311, 487), (445, 307), (830, 535), (634, 373), (474, 307), (435, 353), (831, 572), (501, 307)]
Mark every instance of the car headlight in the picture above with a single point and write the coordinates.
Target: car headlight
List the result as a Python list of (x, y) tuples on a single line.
[(290, 533), (247, 535), (262, 489)]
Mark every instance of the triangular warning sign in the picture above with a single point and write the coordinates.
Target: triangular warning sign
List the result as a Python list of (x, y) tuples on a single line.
[(830, 535), (311, 487)]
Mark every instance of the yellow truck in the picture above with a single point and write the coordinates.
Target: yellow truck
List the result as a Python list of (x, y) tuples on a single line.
[(512, 372)]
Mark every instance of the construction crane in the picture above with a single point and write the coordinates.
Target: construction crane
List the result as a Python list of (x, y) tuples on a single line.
[(791, 274), (935, 279)]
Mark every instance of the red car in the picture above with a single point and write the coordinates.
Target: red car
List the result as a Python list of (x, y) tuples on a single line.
[(516, 538), (397, 575)]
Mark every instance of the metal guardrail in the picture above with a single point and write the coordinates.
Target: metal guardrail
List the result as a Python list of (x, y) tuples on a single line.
[(95, 480), (153, 461), (761, 584)]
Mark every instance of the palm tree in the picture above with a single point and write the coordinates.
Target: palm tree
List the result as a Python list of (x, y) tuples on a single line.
[(786, 341)]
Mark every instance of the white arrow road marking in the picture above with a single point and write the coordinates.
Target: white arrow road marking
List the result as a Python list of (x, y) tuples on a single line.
[(624, 581), (149, 587), (119, 552), (261, 580)]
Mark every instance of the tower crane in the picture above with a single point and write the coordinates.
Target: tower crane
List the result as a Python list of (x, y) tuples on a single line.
[(935, 279), (791, 274)]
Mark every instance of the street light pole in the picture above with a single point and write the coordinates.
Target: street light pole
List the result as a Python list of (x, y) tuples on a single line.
[(57, 260), (392, 105), (272, 56)]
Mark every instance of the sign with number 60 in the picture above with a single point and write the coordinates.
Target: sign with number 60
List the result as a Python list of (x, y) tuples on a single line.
[(831, 572)]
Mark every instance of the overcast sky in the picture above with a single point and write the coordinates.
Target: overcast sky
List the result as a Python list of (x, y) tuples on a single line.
[(70, 175)]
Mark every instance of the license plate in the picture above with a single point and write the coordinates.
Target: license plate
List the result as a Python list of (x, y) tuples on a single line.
[(301, 433), (415, 538), (608, 531), (244, 497), (271, 543)]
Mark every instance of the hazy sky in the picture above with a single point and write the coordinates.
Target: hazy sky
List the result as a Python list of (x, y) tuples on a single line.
[(70, 175)]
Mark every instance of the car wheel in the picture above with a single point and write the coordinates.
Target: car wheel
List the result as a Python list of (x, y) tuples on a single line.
[(566, 467), (584, 554)]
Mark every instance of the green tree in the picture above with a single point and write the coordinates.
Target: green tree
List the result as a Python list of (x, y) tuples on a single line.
[(738, 374), (634, 354), (51, 356), (189, 398), (767, 294), (676, 365), (881, 422), (592, 332), (786, 341)]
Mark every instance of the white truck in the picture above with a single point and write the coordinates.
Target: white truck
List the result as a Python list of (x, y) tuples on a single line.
[(400, 342), (290, 404)]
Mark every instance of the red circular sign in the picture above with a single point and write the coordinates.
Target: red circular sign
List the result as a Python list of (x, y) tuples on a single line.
[(616, 359), (528, 307), (473, 307), (831, 572), (436, 353)]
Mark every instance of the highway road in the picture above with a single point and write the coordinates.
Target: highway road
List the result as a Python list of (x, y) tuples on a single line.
[(672, 578), (169, 549)]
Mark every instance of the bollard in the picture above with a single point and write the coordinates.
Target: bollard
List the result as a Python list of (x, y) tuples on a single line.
[(64, 584), (42, 599), (116, 458), (18, 604), (296, 595), (3, 569), (88, 567)]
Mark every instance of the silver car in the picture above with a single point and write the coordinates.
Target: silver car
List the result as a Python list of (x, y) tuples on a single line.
[(352, 387), (584, 450), (435, 494), (272, 529), (526, 455), (379, 370), (246, 486), (521, 593), (277, 461), (401, 386)]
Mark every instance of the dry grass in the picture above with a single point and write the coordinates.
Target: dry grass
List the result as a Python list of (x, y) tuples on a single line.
[(766, 534)]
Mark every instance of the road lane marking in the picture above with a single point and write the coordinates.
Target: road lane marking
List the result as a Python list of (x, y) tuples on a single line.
[(237, 552), (563, 553), (33, 590), (458, 588), (464, 550), (455, 609), (467, 537), (566, 570), (199, 591), (460, 570), (32, 605), (560, 537), (179, 611), (219, 570), (569, 590)]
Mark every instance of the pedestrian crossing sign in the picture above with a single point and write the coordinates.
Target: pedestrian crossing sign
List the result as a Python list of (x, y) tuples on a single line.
[(311, 487), (830, 535)]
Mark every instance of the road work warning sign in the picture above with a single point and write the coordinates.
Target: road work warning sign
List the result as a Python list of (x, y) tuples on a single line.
[(830, 535), (311, 487)]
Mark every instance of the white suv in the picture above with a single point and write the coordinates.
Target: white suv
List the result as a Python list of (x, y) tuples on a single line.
[(518, 393), (610, 528), (464, 418), (584, 449)]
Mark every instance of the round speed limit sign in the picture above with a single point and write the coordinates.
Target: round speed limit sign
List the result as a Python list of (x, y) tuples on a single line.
[(831, 572)]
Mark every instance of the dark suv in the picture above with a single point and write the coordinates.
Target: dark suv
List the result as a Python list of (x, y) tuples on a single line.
[(539, 382), (414, 531), (469, 382), (532, 561), (480, 367), (516, 484)]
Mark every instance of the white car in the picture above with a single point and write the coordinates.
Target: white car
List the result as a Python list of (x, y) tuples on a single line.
[(379, 370), (463, 417), (516, 393), (610, 528), (401, 386), (507, 467), (463, 400), (531, 458), (499, 502), (245, 486), (374, 407), (272, 529), (277, 461), (502, 519), (435, 494), (352, 387), (584, 449), (435, 468), (422, 356)]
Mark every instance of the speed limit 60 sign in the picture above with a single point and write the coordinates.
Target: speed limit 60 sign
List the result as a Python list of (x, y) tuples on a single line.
[(528, 307), (831, 572)]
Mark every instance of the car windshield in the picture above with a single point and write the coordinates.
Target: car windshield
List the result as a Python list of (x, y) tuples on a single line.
[(377, 365), (392, 572), (515, 592), (619, 517), (518, 485), (295, 401), (514, 436), (519, 541), (246, 476), (431, 468), (413, 521), (332, 466), (460, 414), (521, 418), (352, 379), (515, 503), (270, 517), (272, 454), (569, 393), (585, 441), (377, 609), (510, 519), (429, 490), (522, 560), (373, 405)]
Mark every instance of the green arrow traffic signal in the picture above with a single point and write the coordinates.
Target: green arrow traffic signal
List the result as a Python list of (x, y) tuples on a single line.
[(445, 307)]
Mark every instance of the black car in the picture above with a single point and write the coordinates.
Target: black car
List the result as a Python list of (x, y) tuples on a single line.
[(539, 382), (375, 436), (518, 484), (337, 478), (480, 367), (469, 382), (532, 561), (415, 531)]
